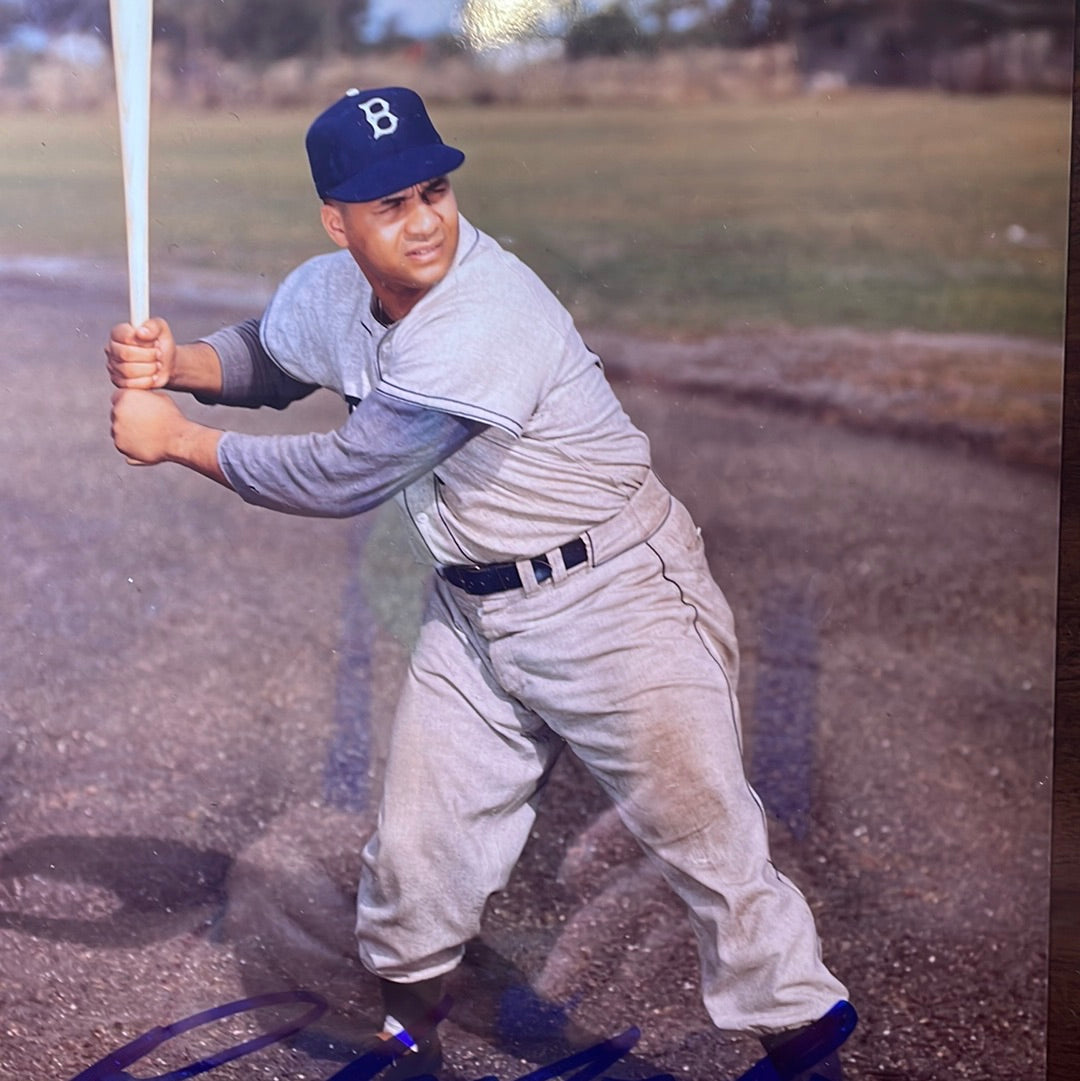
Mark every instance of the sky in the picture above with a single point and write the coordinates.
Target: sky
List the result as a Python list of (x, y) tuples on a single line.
[(417, 18)]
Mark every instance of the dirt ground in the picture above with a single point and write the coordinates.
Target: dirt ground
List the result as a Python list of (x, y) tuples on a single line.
[(194, 697)]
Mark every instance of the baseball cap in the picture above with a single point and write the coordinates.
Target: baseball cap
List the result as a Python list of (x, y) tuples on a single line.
[(371, 143)]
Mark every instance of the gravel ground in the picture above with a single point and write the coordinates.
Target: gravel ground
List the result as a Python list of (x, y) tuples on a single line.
[(193, 700)]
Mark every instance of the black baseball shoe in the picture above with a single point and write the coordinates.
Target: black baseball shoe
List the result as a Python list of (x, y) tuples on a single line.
[(408, 1048), (400, 1058), (810, 1053)]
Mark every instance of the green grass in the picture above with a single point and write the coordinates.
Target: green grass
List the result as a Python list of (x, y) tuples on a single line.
[(870, 210)]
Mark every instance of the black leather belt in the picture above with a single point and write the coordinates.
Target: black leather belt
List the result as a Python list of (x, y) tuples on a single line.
[(497, 577)]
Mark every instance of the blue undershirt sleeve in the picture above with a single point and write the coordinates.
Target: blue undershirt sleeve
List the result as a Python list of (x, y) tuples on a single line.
[(249, 376), (383, 447)]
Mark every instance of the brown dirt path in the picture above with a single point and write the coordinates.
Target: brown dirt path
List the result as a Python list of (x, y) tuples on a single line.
[(995, 395)]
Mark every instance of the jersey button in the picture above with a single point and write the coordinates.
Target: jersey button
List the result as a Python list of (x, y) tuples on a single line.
[(421, 519)]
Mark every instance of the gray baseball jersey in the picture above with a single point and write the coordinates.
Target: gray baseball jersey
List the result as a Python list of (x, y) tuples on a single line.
[(490, 343)]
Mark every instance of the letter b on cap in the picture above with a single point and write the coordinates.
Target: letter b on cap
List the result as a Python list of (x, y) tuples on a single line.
[(382, 120)]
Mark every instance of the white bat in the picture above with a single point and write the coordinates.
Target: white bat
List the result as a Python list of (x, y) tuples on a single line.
[(131, 33)]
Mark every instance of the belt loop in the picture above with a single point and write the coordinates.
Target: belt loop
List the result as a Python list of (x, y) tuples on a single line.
[(528, 576), (557, 564), (590, 556)]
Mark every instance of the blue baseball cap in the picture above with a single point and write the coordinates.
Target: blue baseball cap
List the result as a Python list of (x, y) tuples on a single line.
[(372, 143)]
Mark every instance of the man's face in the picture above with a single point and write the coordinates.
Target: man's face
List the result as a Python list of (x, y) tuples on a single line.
[(403, 243)]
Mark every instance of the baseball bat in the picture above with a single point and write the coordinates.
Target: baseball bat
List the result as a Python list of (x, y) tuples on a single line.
[(131, 34)]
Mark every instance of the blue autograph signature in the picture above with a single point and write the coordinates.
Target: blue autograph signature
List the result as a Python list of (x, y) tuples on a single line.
[(827, 1035)]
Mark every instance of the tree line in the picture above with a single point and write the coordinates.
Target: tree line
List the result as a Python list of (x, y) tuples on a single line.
[(266, 30), (656, 24), (260, 30)]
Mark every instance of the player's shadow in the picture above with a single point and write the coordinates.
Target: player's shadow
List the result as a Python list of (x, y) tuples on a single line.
[(110, 891), (290, 922)]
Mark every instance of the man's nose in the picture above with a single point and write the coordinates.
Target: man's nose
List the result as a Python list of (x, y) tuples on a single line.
[(423, 218)]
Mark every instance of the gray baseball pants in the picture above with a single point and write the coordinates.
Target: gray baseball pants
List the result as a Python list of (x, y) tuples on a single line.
[(631, 660)]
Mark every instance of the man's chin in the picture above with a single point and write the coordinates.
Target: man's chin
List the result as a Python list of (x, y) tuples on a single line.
[(428, 274)]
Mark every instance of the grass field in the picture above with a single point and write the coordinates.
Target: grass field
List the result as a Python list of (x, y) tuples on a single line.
[(872, 210)]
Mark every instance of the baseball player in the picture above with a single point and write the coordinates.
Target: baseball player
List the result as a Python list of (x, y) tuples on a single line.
[(572, 603)]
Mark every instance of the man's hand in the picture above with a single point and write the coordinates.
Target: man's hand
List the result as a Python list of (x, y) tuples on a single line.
[(141, 358), (148, 428)]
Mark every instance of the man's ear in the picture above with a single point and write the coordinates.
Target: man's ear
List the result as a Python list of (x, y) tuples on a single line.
[(334, 225)]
